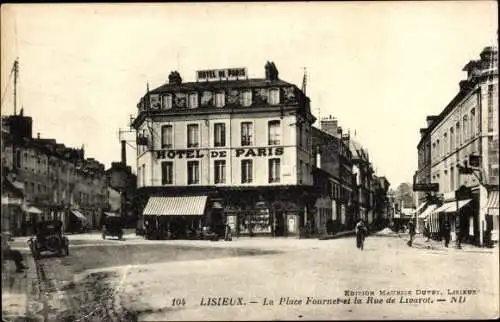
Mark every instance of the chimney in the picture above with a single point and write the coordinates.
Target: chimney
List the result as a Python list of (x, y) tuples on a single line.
[(124, 153), (430, 120), (423, 131), (329, 125)]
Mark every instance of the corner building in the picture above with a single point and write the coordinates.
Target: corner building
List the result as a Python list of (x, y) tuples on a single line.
[(226, 148)]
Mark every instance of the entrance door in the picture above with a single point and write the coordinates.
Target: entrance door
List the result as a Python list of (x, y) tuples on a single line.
[(279, 225)]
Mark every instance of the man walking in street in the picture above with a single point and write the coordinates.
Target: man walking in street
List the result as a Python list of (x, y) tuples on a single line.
[(446, 233), (411, 231), (13, 255), (360, 230)]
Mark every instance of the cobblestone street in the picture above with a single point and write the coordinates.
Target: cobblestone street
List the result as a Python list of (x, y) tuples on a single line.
[(171, 280)]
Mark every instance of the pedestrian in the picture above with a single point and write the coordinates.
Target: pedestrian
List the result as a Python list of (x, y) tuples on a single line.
[(446, 233), (10, 254), (427, 231), (227, 233), (411, 231), (360, 230)]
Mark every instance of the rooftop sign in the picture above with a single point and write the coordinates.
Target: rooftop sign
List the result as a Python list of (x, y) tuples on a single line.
[(211, 75)]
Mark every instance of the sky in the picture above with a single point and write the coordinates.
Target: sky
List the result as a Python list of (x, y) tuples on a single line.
[(379, 67)]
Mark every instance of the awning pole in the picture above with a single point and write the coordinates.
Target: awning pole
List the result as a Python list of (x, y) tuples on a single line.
[(457, 225)]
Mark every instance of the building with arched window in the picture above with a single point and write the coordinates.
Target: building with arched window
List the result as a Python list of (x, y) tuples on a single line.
[(465, 130)]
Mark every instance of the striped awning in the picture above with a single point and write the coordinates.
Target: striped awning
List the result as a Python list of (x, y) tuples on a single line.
[(492, 200), (176, 206), (427, 211)]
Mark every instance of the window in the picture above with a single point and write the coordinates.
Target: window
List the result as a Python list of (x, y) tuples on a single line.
[(445, 142), (274, 132), (438, 148), (220, 134), (274, 170), (220, 99), (220, 171), (192, 136), (167, 101), (246, 171), (299, 130), (465, 135), (193, 100), (452, 138), (167, 175), (472, 130), (143, 175), (193, 172), (166, 136), (246, 133), (457, 135), (452, 179), (491, 91), (247, 98), (18, 159), (300, 171), (274, 96)]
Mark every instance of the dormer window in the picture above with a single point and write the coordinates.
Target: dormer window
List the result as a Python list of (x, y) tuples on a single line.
[(274, 96), (193, 100), (167, 101), (247, 98), (220, 99)]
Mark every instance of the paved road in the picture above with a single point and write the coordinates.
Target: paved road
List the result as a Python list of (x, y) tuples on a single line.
[(138, 279)]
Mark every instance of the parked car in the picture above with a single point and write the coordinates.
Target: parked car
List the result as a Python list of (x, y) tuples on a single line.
[(112, 226), (49, 238)]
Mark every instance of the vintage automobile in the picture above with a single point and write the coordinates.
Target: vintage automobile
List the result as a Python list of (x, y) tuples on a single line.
[(49, 238), (112, 226)]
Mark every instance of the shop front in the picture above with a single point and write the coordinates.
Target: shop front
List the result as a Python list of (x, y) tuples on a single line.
[(264, 211), (492, 218), (461, 213)]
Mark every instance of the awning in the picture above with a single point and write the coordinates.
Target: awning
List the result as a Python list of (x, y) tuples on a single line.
[(176, 206), (32, 210), (443, 207), (420, 207), (112, 214), (78, 215), (492, 200), (453, 205), (427, 211)]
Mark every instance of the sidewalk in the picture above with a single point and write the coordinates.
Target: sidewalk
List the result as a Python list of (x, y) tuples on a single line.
[(19, 290), (421, 242)]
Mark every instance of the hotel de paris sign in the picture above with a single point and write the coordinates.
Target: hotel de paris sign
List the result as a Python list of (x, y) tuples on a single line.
[(212, 75), (239, 153)]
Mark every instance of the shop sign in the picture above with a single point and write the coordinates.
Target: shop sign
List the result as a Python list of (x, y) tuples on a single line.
[(221, 74)]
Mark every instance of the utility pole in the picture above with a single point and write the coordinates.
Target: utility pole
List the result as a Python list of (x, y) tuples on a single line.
[(16, 70)]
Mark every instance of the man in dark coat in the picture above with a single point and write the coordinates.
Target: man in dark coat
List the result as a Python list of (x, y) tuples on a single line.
[(411, 231), (446, 233), (360, 230)]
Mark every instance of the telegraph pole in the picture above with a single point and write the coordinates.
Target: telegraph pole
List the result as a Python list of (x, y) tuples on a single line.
[(16, 70)]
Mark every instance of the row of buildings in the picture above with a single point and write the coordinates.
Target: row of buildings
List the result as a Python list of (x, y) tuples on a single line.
[(229, 149), (43, 179), (458, 154)]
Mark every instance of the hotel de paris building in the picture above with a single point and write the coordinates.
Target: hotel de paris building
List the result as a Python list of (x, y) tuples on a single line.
[(226, 149)]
